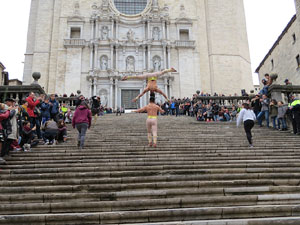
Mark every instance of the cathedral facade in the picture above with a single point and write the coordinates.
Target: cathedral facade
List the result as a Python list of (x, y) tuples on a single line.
[(89, 45)]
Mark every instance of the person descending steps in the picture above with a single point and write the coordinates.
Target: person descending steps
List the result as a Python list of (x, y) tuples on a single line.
[(152, 82), (151, 123)]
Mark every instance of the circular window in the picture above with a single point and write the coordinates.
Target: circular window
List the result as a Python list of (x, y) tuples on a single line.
[(131, 7)]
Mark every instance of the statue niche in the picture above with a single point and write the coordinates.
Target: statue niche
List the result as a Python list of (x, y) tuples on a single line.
[(104, 33), (156, 63), (156, 34), (104, 62), (130, 64)]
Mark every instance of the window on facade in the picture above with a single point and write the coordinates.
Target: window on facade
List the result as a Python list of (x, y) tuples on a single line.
[(130, 7), (294, 38), (272, 63), (184, 35), (298, 61), (75, 32)]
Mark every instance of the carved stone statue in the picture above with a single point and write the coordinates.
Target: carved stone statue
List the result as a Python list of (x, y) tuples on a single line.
[(104, 62), (156, 63), (130, 35), (103, 97), (156, 34), (130, 67), (104, 33)]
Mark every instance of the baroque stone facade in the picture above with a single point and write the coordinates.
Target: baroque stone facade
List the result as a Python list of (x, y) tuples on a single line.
[(89, 45), (283, 58)]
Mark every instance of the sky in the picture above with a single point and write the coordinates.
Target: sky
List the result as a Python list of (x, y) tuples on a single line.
[(265, 19)]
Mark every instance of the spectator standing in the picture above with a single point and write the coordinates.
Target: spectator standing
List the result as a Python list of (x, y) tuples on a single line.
[(256, 104), (13, 136), (295, 108), (281, 116), (54, 109), (4, 115), (265, 102), (95, 108), (82, 121), (45, 110), (274, 112), (33, 117)]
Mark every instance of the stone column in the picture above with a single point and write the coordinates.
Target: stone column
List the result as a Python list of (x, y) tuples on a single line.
[(91, 57), (165, 57), (117, 58), (95, 87), (169, 56), (111, 56), (144, 57), (170, 88), (166, 85), (111, 92), (149, 57), (112, 29), (116, 93), (163, 23), (96, 56), (149, 32), (97, 29), (93, 29), (90, 90), (167, 30)]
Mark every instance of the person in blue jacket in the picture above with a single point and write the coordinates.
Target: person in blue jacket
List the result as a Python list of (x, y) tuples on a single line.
[(54, 109), (45, 111)]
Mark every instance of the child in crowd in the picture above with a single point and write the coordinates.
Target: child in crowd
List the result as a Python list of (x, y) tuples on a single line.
[(28, 136), (208, 114), (233, 113), (69, 116), (281, 116), (62, 131)]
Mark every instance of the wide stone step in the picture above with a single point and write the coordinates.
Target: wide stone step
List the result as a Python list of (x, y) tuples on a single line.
[(158, 215)]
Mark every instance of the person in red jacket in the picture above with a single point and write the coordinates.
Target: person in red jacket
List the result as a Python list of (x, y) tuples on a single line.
[(34, 121), (3, 116), (82, 121)]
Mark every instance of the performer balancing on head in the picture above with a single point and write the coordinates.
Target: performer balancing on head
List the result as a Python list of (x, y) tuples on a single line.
[(151, 122), (152, 82)]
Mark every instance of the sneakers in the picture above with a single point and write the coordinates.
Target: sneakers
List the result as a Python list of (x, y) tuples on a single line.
[(46, 142), (26, 147), (251, 146)]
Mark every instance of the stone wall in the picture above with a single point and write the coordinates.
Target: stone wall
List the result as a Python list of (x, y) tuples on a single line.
[(216, 52)]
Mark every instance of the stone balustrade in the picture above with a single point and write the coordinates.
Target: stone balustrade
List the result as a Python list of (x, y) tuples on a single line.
[(74, 43), (185, 44), (282, 92), (225, 100), (19, 92)]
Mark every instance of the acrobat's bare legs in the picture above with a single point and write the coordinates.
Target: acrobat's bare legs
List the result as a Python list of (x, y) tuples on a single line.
[(163, 94)]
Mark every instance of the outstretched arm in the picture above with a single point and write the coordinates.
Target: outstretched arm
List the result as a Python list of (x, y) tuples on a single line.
[(140, 110), (147, 75)]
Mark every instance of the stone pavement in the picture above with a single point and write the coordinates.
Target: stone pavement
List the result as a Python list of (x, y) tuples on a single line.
[(201, 173)]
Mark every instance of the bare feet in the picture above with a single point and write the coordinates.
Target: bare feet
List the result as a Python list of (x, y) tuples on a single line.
[(135, 99), (173, 70), (154, 145), (150, 144), (124, 78)]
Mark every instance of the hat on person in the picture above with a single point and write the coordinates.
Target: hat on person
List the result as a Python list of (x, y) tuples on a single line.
[(286, 80), (9, 100)]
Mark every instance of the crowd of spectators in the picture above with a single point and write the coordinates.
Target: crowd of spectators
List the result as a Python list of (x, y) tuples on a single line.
[(38, 120)]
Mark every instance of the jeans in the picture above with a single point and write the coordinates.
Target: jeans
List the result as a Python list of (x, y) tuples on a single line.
[(227, 117), (283, 122), (82, 128), (50, 135), (274, 118), (261, 114), (248, 125), (34, 121), (45, 119)]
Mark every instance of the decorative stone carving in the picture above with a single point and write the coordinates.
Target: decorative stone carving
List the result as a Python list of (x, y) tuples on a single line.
[(103, 97), (156, 63), (130, 35), (104, 62), (104, 33), (76, 9), (156, 34), (130, 64)]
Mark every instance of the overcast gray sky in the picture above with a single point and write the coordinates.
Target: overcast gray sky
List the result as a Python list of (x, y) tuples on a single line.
[(266, 19)]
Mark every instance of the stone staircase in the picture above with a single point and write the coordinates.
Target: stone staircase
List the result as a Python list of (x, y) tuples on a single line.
[(200, 174)]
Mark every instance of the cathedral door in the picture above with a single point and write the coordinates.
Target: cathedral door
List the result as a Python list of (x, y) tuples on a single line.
[(127, 96)]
